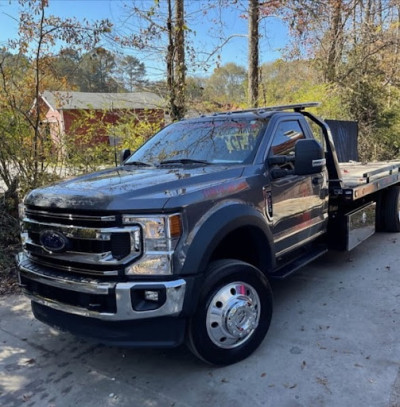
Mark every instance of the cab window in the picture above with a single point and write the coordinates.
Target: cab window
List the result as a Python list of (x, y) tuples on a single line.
[(285, 137)]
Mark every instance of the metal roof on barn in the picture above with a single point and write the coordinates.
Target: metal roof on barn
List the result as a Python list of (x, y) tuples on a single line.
[(64, 100)]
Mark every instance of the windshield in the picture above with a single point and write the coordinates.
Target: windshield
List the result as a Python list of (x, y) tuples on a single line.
[(213, 141)]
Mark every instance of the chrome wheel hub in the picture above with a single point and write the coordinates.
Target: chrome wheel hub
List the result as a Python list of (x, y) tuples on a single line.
[(233, 315)]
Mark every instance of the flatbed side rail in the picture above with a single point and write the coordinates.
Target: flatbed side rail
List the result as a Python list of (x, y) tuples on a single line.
[(391, 169), (356, 192)]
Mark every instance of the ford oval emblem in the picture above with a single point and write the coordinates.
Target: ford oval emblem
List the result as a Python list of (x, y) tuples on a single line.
[(53, 241)]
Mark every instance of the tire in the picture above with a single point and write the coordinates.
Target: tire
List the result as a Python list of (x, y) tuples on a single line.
[(379, 217), (391, 210), (233, 314)]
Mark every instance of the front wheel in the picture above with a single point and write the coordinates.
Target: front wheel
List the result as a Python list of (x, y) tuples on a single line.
[(233, 315)]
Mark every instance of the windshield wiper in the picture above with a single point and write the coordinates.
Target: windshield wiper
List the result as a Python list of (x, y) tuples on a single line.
[(138, 163), (184, 161)]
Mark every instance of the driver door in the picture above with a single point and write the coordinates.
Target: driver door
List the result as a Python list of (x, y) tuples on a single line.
[(297, 205)]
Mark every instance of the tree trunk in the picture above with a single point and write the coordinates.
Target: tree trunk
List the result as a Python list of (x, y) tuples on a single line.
[(253, 52), (336, 41), (176, 60), (179, 63), (170, 62)]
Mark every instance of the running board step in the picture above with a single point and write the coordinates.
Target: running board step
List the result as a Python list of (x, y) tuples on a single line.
[(300, 262)]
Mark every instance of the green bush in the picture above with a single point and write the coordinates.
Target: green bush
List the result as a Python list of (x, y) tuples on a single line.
[(9, 240)]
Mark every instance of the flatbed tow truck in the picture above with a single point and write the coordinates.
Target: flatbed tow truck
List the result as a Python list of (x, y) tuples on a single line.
[(179, 242)]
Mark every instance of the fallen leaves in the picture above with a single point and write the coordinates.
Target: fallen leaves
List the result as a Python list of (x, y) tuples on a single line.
[(27, 396)]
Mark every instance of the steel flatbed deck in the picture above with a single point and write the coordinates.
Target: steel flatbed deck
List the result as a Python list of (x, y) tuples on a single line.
[(360, 180)]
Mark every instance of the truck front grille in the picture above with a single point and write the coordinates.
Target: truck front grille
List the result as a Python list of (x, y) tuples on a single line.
[(79, 242)]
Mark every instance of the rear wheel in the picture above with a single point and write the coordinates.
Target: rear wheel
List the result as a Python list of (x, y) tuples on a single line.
[(391, 210), (233, 315)]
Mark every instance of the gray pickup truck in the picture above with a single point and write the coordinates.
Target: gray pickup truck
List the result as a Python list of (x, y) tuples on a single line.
[(179, 242)]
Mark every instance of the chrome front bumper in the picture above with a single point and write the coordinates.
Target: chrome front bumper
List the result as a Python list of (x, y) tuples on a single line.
[(175, 293)]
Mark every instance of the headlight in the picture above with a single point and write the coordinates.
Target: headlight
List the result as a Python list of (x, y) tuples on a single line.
[(160, 236), (153, 263)]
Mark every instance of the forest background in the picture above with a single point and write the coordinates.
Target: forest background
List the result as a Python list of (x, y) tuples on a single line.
[(343, 53)]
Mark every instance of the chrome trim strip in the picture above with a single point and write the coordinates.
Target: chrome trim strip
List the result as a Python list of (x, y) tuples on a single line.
[(296, 229), (78, 232), (70, 216), (88, 287), (72, 269), (301, 243), (319, 163)]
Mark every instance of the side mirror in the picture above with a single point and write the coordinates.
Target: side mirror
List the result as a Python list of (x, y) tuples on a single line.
[(124, 155), (309, 157)]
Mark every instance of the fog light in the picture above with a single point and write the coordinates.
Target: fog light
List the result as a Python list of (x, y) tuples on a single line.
[(151, 295), (148, 297)]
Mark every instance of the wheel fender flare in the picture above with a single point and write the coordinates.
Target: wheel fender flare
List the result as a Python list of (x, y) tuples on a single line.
[(216, 227)]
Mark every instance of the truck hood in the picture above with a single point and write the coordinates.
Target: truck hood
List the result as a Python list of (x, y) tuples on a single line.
[(131, 188)]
